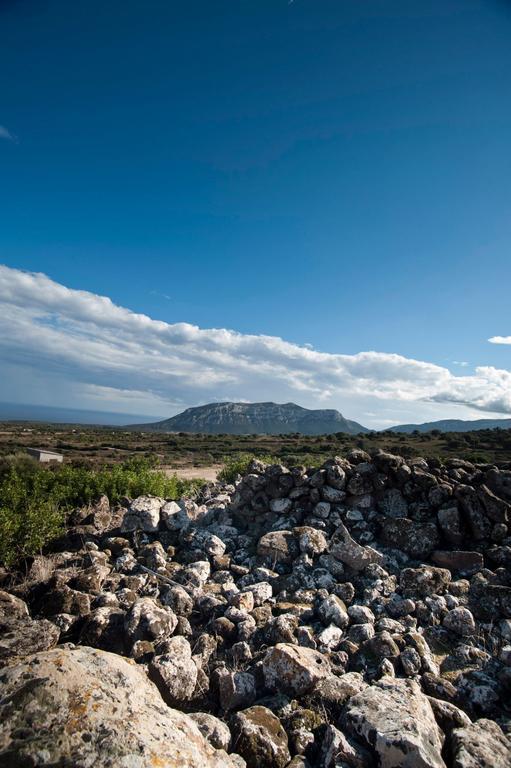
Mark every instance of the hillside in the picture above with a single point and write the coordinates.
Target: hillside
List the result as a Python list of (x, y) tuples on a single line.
[(454, 425), (256, 419)]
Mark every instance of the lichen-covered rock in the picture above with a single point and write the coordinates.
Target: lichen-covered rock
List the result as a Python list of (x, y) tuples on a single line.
[(63, 599), (396, 721), (473, 511), (84, 707), (235, 689), (104, 628), (310, 540), (21, 635), (416, 539), (480, 745), (424, 581), (143, 514), (174, 672), (278, 546), (460, 620), (260, 738), (294, 670), (12, 606), (347, 550), (213, 729), (147, 620)]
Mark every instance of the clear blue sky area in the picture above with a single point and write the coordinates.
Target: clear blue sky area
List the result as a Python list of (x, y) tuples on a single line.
[(336, 172)]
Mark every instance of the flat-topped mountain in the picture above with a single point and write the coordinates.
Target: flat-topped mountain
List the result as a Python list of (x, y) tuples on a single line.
[(454, 425), (256, 418)]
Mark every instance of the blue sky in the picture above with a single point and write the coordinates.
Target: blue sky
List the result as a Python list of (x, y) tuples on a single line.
[(335, 173)]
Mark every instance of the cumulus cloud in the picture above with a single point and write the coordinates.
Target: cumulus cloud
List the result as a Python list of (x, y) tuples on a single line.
[(115, 355), (5, 134), (500, 340)]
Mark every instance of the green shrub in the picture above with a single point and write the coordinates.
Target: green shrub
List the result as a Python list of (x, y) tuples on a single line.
[(238, 465), (35, 500)]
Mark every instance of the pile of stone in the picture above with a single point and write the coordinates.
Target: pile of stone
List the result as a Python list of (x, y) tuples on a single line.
[(354, 615)]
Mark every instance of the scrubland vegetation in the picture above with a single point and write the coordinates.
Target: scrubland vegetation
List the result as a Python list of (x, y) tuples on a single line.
[(36, 499)]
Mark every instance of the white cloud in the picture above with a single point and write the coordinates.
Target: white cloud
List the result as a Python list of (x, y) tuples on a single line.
[(112, 355), (500, 340), (5, 134)]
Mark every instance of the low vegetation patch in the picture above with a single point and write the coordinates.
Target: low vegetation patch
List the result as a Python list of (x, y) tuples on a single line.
[(238, 465), (35, 500)]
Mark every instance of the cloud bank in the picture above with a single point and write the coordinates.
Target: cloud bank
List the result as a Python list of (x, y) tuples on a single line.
[(112, 355), (5, 134)]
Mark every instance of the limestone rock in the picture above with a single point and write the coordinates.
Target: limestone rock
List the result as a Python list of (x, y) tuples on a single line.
[(260, 738), (293, 669), (21, 636), (278, 546), (213, 729), (480, 745), (348, 551), (143, 514), (84, 707), (147, 620), (396, 720), (174, 672)]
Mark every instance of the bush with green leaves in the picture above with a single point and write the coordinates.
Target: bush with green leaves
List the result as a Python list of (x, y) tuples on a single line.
[(35, 499), (238, 465)]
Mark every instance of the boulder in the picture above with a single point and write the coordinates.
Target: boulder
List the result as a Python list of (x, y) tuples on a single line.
[(424, 581), (293, 669), (235, 689), (278, 546), (480, 745), (460, 621), (348, 551), (311, 541), (396, 720), (85, 707), (143, 514), (473, 511), (21, 636), (260, 738), (457, 560), (147, 620), (104, 628), (174, 672), (213, 729), (416, 539), (11, 606)]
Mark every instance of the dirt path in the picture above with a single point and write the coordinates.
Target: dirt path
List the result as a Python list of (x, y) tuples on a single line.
[(191, 473)]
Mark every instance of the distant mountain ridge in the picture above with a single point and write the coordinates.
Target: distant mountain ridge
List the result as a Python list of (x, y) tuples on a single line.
[(454, 425), (256, 418)]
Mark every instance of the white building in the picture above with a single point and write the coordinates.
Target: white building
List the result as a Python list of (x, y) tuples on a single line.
[(44, 456)]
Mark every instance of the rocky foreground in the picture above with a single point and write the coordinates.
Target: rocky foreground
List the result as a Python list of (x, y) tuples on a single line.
[(356, 615)]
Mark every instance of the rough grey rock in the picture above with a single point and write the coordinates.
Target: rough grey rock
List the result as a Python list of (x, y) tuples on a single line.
[(21, 636), (347, 550), (235, 689), (460, 621), (143, 514), (84, 707), (213, 729), (174, 672), (293, 669), (424, 581), (147, 620), (480, 745), (396, 720), (260, 738)]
